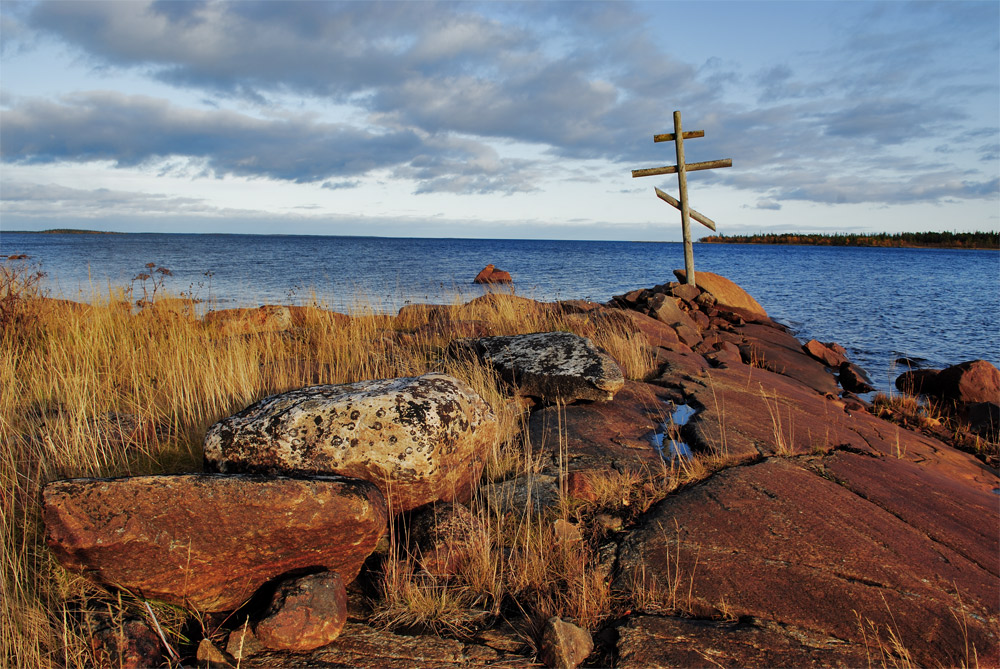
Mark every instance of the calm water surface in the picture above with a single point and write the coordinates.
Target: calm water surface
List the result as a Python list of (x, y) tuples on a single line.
[(941, 306)]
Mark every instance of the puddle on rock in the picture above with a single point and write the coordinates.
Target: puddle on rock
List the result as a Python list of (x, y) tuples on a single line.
[(667, 446)]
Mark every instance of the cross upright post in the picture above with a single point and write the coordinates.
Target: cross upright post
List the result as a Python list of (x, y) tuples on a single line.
[(682, 185), (681, 169)]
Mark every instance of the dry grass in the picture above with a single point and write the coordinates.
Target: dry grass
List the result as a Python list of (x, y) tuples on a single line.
[(110, 389), (938, 418), (669, 592)]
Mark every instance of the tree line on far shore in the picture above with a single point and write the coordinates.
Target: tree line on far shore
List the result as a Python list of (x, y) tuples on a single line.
[(952, 240)]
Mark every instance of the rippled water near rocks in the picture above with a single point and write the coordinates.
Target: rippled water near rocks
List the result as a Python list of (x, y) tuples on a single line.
[(936, 306)]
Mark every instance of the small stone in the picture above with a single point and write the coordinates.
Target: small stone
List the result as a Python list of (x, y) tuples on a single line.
[(305, 613), (242, 643), (825, 353), (686, 291), (854, 379), (608, 522), (564, 645), (700, 319), (566, 532), (579, 485), (209, 655), (688, 334), (129, 644)]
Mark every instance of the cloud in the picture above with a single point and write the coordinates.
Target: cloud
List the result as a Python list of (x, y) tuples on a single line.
[(438, 89), (137, 130), (340, 185), (30, 200)]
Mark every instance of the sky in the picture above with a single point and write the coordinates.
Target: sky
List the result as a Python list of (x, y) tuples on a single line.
[(499, 119)]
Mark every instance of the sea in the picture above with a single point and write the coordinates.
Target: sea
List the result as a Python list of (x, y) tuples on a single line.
[(891, 308)]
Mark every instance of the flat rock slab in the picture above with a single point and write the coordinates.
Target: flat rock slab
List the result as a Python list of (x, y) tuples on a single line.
[(789, 362), (652, 642), (364, 647), (746, 412), (948, 510), (608, 435), (776, 541), (419, 439), (554, 366), (209, 541)]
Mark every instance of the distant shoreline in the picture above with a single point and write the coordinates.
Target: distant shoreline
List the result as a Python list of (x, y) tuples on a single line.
[(982, 241), (64, 231)]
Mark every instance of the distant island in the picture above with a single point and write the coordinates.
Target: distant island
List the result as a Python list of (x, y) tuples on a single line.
[(64, 231), (938, 240)]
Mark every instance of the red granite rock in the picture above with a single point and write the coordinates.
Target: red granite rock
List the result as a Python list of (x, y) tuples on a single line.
[(825, 353), (305, 613), (725, 291), (972, 381), (209, 541), (596, 437), (779, 542), (650, 642), (491, 274)]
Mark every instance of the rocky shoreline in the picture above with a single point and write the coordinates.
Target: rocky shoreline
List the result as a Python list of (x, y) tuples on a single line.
[(806, 531)]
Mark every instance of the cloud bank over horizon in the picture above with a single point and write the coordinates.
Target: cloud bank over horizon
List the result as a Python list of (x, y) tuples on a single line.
[(499, 112)]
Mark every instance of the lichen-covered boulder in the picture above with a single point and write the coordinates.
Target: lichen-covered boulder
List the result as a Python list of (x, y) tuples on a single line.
[(419, 439), (550, 365), (210, 541)]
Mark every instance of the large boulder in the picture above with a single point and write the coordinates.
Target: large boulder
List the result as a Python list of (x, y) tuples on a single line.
[(726, 292), (789, 362), (209, 541), (419, 439), (972, 381), (554, 366)]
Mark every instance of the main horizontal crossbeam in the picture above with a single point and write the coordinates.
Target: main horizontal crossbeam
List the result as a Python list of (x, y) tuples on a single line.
[(689, 167), (669, 137)]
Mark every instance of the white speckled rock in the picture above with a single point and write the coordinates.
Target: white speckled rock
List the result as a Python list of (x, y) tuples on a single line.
[(551, 365), (419, 439)]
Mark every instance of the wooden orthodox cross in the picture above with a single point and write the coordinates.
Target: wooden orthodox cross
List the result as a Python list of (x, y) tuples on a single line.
[(681, 169)]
